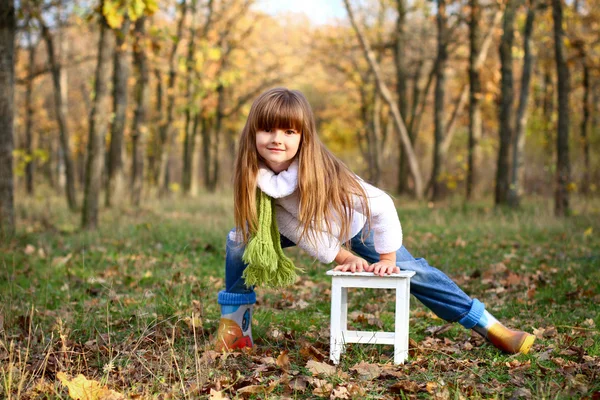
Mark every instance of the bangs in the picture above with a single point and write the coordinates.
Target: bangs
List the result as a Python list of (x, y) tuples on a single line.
[(279, 112)]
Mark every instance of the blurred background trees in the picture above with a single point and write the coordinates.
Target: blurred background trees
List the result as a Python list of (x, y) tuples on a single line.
[(133, 99)]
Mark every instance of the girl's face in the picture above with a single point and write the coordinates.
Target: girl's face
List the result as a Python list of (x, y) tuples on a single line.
[(278, 147)]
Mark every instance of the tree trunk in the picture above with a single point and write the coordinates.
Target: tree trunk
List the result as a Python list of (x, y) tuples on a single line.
[(115, 183), (139, 129), (166, 136), (8, 30), (97, 130), (155, 144), (548, 107), (29, 114), (206, 152), (585, 122), (563, 166), (464, 95), (516, 187), (60, 104), (213, 174), (387, 96), (399, 57), (401, 87), (474, 151), (189, 139), (506, 103), (440, 92)]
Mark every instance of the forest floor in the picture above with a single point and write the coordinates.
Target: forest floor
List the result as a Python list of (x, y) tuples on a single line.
[(130, 311)]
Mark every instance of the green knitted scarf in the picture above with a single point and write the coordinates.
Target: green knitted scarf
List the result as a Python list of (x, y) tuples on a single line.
[(267, 264)]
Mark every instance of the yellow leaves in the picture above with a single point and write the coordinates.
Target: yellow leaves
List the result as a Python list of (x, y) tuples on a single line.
[(80, 388), (588, 232), (113, 14), (115, 10)]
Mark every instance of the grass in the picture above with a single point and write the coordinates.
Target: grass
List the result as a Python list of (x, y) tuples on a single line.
[(133, 307)]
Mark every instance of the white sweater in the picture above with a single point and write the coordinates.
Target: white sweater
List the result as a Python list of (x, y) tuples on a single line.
[(283, 188)]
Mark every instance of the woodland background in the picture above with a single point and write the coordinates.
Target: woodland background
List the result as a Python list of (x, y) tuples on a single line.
[(126, 100), (118, 129)]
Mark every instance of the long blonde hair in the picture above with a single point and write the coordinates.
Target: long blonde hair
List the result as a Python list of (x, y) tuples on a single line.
[(327, 188)]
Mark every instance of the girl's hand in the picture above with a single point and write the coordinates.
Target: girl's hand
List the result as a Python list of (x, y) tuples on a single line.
[(352, 263), (383, 267)]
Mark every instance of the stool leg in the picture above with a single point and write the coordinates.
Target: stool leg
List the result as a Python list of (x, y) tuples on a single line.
[(344, 315), (401, 323), (335, 349)]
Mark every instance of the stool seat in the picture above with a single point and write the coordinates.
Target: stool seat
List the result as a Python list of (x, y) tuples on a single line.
[(340, 335)]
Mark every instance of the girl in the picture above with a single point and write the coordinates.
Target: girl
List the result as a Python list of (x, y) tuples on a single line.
[(290, 190)]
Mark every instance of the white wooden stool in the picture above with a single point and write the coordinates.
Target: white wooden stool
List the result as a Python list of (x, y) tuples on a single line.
[(340, 335)]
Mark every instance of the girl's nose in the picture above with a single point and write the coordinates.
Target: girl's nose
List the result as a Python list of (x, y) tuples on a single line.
[(277, 136)]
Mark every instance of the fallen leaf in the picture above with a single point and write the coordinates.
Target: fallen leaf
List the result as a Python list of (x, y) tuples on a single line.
[(254, 389), (267, 360), (283, 361), (81, 388), (356, 389), (317, 368), (522, 393), (366, 370), (405, 386), (298, 384), (217, 395), (323, 388), (340, 392), (300, 305)]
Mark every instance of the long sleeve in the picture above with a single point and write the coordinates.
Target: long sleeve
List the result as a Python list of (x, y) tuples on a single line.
[(385, 223)]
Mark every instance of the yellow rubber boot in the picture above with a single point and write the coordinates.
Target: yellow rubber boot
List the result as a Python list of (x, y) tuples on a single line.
[(235, 327), (507, 340)]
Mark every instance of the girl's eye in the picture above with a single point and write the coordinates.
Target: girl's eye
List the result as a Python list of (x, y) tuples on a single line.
[(267, 130), (290, 131)]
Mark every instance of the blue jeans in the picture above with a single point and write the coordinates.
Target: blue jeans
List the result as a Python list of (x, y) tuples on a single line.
[(431, 286)]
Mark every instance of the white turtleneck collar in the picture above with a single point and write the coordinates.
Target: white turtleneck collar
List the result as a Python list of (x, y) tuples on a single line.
[(278, 185)]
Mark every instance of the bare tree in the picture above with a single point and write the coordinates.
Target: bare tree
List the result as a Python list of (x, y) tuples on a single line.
[(139, 129), (60, 105), (115, 180), (8, 29), (563, 165), (505, 113), (516, 187), (98, 126), (387, 96)]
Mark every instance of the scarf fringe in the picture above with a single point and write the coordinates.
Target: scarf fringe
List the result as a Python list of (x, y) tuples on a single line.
[(267, 264)]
